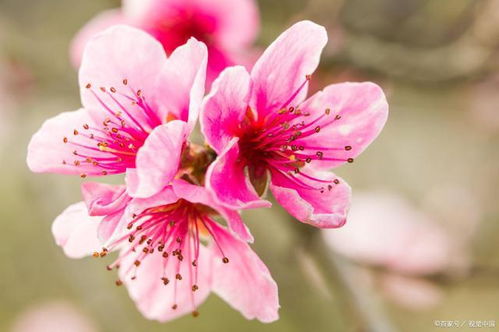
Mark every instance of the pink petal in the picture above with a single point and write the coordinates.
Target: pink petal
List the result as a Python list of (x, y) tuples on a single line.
[(158, 160), (99, 23), (109, 201), (103, 199), (225, 107), (110, 58), (182, 81), (76, 232), (164, 197), (244, 282), (282, 69), (137, 10), (47, 151), (154, 299), (363, 109), (198, 194), (227, 180), (238, 21), (326, 209)]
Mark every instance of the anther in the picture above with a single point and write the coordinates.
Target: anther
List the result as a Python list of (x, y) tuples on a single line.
[(337, 117), (350, 160), (165, 254), (137, 263), (308, 160), (178, 276), (118, 282), (317, 129), (336, 181), (225, 260), (166, 281), (329, 187), (103, 89), (95, 254), (195, 288), (83, 175), (86, 126), (113, 90), (125, 81), (348, 148), (195, 313), (88, 86), (139, 93), (75, 132), (109, 268), (65, 139), (319, 154), (194, 263), (174, 307), (327, 111)]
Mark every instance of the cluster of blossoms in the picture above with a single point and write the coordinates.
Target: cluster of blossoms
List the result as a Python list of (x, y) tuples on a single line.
[(176, 223)]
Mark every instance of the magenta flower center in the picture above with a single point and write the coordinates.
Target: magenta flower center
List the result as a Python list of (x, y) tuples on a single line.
[(283, 142), (110, 147), (175, 30), (175, 231)]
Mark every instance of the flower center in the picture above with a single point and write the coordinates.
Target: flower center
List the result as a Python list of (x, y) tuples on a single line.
[(283, 142), (175, 232), (175, 30), (111, 146)]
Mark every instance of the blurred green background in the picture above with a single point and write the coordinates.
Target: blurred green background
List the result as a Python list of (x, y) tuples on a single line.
[(437, 61)]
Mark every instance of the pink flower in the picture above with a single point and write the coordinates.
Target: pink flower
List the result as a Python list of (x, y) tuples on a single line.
[(227, 27), (385, 230), (130, 92), (260, 124), (162, 261), (50, 316)]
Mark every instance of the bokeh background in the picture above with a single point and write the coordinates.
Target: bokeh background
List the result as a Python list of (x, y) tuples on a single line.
[(423, 240)]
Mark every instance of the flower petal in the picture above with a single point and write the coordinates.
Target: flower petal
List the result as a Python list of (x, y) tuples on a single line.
[(182, 82), (198, 194), (225, 107), (108, 201), (111, 60), (244, 282), (47, 151), (226, 179), (281, 71), (238, 21), (154, 299), (103, 199), (164, 197), (363, 110), (323, 208), (76, 232), (158, 160), (97, 24)]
